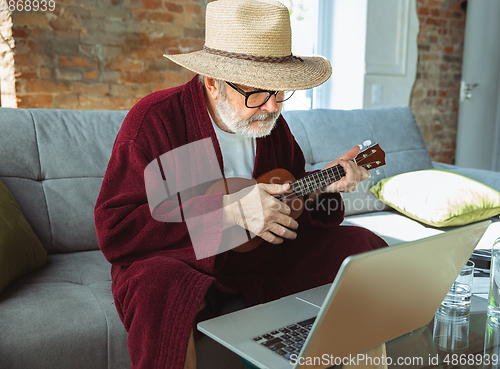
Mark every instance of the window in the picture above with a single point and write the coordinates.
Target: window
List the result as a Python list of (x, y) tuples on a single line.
[(304, 21), (335, 29)]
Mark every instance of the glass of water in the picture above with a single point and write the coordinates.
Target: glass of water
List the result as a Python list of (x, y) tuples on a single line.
[(451, 329), (460, 293), (491, 352), (494, 296)]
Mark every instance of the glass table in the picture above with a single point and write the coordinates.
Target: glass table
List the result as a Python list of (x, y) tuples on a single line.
[(454, 338)]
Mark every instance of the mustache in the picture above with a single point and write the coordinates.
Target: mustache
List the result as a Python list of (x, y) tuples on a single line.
[(265, 116)]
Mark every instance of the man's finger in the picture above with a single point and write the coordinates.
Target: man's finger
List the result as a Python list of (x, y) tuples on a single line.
[(271, 238), (282, 232), (351, 154), (275, 189), (287, 221), (364, 173), (349, 179)]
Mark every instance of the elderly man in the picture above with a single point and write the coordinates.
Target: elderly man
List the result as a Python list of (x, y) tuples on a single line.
[(159, 285)]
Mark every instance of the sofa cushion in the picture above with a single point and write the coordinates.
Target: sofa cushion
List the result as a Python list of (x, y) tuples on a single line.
[(56, 176), (439, 198), (324, 135), (20, 250), (487, 177), (63, 316)]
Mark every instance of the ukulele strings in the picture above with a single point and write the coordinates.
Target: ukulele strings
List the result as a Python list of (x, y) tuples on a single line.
[(329, 179), (318, 181), (301, 193)]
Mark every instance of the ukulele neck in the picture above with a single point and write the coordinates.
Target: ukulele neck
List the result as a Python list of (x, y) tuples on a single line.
[(371, 158), (306, 185)]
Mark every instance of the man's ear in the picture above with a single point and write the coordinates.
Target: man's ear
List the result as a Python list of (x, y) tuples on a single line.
[(212, 87)]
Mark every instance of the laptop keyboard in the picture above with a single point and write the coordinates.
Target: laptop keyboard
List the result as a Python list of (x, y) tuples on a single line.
[(288, 340)]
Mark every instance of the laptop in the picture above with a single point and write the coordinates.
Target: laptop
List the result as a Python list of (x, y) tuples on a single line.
[(375, 297)]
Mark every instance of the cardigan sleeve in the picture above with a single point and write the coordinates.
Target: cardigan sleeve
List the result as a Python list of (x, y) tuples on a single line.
[(125, 227)]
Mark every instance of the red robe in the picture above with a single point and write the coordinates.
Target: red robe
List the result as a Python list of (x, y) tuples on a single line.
[(157, 282)]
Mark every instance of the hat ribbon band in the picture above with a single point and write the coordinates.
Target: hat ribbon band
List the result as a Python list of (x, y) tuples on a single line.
[(268, 59)]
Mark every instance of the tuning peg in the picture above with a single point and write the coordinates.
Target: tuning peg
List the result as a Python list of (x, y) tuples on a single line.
[(367, 143), (377, 171)]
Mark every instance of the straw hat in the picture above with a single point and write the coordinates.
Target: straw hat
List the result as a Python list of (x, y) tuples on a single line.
[(249, 42)]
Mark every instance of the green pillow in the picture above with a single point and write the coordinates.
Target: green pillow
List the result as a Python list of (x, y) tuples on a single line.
[(20, 250), (438, 198)]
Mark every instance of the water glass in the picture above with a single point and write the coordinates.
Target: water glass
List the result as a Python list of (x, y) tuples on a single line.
[(491, 354), (451, 329), (494, 295), (460, 293)]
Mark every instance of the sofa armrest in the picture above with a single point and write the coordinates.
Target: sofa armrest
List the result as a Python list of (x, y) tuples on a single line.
[(487, 177)]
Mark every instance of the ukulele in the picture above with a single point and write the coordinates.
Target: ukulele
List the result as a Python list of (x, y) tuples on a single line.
[(370, 158)]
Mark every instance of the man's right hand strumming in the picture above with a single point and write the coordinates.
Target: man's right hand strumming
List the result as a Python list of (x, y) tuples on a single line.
[(260, 213)]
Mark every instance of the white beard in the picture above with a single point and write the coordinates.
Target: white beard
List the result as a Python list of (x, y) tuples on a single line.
[(242, 126)]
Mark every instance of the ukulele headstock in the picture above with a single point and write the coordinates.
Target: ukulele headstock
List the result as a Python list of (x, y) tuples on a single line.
[(372, 157)]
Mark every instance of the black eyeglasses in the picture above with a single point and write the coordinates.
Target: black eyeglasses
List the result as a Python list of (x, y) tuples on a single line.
[(256, 99)]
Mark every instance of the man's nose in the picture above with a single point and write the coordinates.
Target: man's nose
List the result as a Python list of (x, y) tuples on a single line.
[(271, 105)]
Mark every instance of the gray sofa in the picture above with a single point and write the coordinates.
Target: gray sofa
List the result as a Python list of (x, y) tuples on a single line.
[(53, 161)]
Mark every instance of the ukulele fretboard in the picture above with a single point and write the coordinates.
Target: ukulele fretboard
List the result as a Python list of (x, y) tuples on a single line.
[(371, 158), (317, 180)]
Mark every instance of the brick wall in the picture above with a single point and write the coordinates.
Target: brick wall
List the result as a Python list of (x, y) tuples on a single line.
[(107, 54), (103, 54), (7, 74), (436, 93)]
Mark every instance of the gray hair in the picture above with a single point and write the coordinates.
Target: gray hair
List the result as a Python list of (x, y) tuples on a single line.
[(201, 79), (220, 83)]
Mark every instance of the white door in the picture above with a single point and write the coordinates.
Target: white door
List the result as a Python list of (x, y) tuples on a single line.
[(391, 52), (372, 45), (479, 116)]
